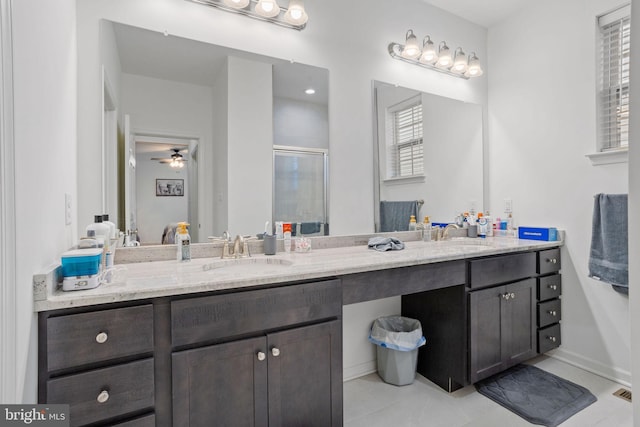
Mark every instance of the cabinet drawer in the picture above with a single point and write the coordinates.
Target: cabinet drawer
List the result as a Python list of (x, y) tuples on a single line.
[(549, 261), (501, 269), (549, 312), (79, 339), (202, 319), (122, 389), (549, 338), (549, 287)]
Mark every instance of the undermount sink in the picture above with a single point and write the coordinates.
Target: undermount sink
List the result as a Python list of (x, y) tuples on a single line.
[(247, 264)]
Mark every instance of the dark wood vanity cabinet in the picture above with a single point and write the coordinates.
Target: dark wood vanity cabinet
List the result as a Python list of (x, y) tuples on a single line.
[(270, 356), (284, 378), (549, 307), (502, 328)]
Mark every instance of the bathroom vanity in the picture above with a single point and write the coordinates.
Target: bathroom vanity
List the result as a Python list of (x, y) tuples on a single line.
[(259, 341)]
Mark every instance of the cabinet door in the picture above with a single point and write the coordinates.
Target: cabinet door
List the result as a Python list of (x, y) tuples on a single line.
[(485, 333), (223, 384), (502, 325), (519, 322), (305, 376)]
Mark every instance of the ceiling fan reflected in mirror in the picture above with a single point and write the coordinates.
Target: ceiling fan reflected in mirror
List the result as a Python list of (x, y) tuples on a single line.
[(175, 161)]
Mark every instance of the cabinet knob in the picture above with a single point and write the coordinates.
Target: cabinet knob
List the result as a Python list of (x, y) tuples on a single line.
[(102, 338), (506, 296), (103, 396), (261, 356), (553, 287), (552, 260), (275, 351), (512, 295), (552, 312), (553, 339)]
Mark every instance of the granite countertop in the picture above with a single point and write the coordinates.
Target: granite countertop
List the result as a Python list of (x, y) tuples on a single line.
[(145, 280)]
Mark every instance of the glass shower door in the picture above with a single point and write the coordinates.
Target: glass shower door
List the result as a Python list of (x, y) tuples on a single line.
[(300, 189)]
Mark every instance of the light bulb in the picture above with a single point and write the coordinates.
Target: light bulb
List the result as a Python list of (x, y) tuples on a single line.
[(267, 8), (429, 55), (237, 4), (460, 62), (310, 91), (411, 49), (444, 56), (474, 69), (296, 14)]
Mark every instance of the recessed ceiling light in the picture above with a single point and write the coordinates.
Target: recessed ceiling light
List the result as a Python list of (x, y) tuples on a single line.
[(310, 91)]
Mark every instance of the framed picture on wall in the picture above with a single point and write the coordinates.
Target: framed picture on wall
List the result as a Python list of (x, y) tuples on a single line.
[(169, 187)]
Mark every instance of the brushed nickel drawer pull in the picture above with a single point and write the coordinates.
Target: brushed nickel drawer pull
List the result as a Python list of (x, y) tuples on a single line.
[(103, 396), (553, 339), (275, 351), (102, 338), (261, 356), (506, 296), (512, 295), (552, 260), (552, 312), (553, 287)]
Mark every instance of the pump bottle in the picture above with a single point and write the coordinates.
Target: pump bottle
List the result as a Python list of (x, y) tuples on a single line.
[(183, 243)]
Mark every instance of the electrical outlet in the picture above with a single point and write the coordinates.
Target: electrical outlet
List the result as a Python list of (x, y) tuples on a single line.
[(508, 205), (67, 209)]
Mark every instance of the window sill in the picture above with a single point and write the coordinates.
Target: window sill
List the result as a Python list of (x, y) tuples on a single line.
[(404, 180), (609, 157)]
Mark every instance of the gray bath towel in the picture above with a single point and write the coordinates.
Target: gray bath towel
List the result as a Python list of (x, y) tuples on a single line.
[(609, 257), (394, 216), (385, 244)]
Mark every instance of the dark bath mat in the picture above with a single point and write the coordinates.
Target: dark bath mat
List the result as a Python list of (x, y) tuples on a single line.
[(536, 395)]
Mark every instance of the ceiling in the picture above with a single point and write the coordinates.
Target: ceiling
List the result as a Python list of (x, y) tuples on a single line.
[(152, 54), (482, 12)]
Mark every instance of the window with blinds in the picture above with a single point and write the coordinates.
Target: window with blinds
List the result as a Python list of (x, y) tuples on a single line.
[(613, 120), (406, 149)]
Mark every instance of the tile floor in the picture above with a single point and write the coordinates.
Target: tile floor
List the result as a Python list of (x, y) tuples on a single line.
[(370, 402)]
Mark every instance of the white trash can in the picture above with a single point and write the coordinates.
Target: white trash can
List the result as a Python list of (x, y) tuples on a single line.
[(397, 339)]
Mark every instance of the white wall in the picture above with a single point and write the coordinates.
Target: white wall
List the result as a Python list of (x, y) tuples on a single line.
[(156, 212), (250, 145), (300, 124), (331, 41), (164, 107), (45, 146), (542, 122)]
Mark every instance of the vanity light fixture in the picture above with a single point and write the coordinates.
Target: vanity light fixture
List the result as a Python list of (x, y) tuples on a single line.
[(457, 65), (294, 16)]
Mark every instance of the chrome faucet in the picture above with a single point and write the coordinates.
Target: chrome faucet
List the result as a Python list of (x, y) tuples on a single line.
[(443, 233)]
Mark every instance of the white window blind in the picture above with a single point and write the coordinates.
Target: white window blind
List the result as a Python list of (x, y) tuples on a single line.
[(406, 151), (613, 121)]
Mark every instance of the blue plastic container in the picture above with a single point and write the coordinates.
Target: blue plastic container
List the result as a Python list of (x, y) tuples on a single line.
[(81, 262)]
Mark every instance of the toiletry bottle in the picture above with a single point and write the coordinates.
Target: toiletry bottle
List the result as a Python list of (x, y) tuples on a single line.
[(286, 232), (465, 220), (487, 216), (183, 243), (412, 223), (426, 233), (112, 226), (482, 226), (102, 231)]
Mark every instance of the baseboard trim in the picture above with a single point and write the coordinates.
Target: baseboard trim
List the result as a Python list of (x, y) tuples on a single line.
[(360, 370), (609, 372)]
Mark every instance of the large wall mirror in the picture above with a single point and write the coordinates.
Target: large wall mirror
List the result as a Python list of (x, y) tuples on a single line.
[(197, 132), (447, 136)]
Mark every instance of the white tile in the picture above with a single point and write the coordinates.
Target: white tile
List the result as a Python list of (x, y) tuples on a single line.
[(370, 402)]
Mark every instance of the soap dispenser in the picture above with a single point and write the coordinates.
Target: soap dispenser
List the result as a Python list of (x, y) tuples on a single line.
[(412, 223), (183, 243), (426, 226)]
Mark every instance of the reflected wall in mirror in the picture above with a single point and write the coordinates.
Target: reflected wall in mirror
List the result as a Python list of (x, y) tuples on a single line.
[(443, 136), (222, 110)]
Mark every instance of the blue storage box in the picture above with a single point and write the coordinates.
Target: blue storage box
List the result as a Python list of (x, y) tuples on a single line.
[(81, 262), (549, 234)]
